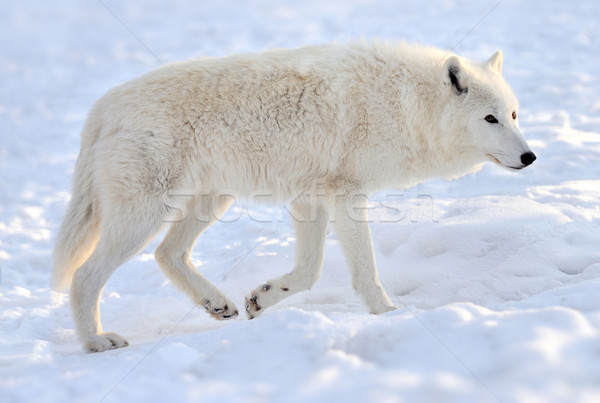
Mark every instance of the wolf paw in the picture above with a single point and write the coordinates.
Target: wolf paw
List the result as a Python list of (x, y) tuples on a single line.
[(105, 341), (267, 294), (382, 309), (252, 306), (220, 312)]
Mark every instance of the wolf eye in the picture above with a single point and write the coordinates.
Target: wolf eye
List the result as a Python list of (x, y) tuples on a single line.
[(491, 119), (514, 115)]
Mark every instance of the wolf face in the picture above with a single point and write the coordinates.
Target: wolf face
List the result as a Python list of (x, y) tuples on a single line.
[(488, 111)]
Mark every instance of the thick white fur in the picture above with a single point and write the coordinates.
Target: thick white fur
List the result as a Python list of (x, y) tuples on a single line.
[(346, 120)]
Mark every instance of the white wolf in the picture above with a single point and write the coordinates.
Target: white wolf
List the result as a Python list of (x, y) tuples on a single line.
[(352, 118)]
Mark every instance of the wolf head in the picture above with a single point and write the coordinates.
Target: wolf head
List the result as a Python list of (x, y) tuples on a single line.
[(484, 109)]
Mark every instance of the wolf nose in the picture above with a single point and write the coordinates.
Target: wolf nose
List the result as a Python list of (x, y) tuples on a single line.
[(528, 158)]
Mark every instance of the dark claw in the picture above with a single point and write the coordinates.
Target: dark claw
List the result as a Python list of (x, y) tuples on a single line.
[(233, 315), (250, 316), (254, 300), (219, 310)]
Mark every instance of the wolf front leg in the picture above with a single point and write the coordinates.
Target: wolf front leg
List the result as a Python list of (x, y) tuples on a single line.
[(310, 222), (352, 227)]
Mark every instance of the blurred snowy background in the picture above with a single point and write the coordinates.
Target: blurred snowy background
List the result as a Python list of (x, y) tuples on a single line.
[(496, 275)]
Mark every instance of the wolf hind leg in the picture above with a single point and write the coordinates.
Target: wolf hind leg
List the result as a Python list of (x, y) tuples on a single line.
[(310, 242), (173, 256), (123, 235)]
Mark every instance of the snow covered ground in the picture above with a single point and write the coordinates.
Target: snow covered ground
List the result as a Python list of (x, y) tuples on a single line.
[(496, 275)]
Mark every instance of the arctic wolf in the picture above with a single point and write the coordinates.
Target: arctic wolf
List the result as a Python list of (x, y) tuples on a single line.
[(353, 119)]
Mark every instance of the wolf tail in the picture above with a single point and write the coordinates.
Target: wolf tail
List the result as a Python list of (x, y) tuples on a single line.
[(79, 231)]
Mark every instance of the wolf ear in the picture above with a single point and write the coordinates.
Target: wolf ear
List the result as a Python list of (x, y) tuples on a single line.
[(495, 62), (456, 74)]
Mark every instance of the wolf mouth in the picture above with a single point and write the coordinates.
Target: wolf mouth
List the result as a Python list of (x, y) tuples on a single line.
[(498, 162)]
